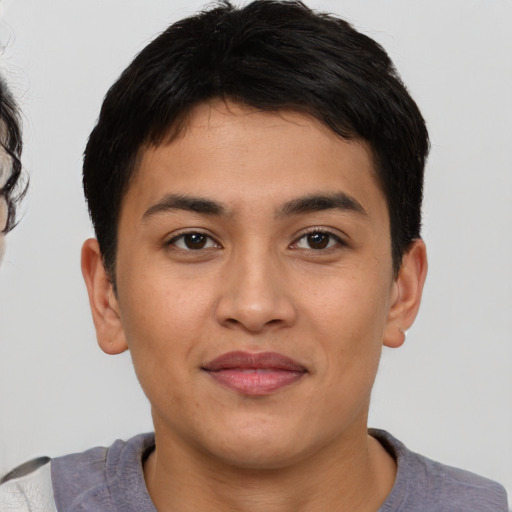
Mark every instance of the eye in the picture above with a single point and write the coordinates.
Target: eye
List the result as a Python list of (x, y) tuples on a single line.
[(318, 240), (193, 241)]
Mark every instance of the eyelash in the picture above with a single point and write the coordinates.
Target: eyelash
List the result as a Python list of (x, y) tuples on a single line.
[(338, 241), (333, 241), (207, 238)]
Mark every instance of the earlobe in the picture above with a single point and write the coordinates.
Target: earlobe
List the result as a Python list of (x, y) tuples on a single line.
[(406, 299), (102, 299)]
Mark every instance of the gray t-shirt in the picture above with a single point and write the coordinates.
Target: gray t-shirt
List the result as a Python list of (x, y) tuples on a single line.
[(112, 480)]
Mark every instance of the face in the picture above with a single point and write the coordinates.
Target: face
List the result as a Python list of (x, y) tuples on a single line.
[(254, 286)]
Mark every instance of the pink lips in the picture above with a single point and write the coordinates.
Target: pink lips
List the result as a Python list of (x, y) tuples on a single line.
[(255, 374)]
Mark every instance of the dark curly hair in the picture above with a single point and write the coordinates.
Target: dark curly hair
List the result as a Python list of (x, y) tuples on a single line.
[(12, 190)]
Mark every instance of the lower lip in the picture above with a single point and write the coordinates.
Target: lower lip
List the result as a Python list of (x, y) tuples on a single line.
[(256, 382)]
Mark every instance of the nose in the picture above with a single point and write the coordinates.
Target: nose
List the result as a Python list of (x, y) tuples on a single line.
[(255, 294)]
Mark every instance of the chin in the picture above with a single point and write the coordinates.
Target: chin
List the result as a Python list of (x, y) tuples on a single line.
[(258, 457), (264, 447)]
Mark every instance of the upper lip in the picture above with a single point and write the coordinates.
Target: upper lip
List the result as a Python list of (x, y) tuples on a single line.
[(247, 360)]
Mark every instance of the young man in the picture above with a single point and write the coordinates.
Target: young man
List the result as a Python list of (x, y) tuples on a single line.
[(255, 183)]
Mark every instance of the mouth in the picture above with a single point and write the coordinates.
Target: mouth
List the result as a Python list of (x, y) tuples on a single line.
[(255, 374)]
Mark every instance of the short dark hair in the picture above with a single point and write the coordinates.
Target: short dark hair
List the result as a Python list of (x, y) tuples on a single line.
[(270, 55), (11, 144)]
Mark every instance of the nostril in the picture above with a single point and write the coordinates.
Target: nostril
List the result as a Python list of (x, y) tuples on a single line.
[(252, 306), (253, 324)]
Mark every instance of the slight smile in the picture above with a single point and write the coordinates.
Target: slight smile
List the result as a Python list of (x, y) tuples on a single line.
[(255, 374)]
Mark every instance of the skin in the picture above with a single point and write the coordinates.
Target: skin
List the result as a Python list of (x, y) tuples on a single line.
[(259, 283), (4, 173), (2, 237)]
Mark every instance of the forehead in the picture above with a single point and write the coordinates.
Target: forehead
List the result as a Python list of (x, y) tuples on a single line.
[(240, 154)]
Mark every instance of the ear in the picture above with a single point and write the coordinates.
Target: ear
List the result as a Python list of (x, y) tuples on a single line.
[(102, 299), (408, 288)]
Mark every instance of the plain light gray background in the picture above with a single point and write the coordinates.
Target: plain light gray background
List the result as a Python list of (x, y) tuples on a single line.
[(447, 393)]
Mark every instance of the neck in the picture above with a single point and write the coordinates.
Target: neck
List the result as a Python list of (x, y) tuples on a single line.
[(356, 474)]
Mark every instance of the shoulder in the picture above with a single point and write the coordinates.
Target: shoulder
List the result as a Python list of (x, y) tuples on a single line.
[(459, 489), (422, 482), (28, 488), (101, 478)]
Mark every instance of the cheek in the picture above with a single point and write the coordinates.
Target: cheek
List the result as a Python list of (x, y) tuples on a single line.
[(165, 328), (353, 306), (350, 328), (164, 322), (158, 302), (349, 320)]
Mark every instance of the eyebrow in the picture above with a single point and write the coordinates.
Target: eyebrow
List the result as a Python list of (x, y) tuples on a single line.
[(318, 202), (172, 202), (311, 203)]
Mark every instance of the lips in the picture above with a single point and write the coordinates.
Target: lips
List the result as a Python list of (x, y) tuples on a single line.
[(255, 374)]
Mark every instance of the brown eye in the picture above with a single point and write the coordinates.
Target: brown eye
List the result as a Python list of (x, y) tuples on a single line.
[(193, 241), (318, 240)]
